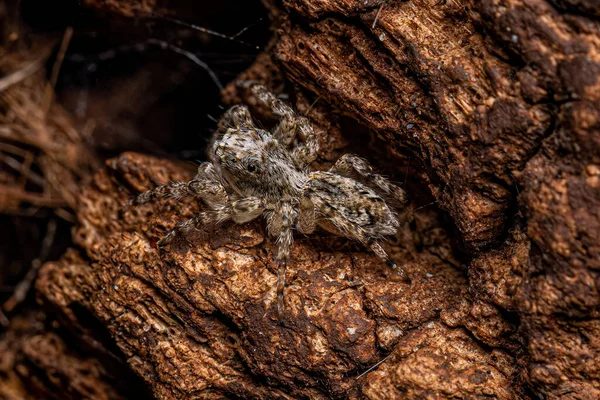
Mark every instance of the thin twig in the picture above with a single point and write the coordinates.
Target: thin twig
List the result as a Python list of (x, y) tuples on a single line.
[(311, 106), (426, 205), (246, 28), (374, 366), (16, 193), (20, 137), (23, 287), (64, 45), (378, 12), (65, 214), (190, 56), (418, 208), (15, 150), (206, 30), (25, 170), (18, 166), (4, 321), (20, 75)]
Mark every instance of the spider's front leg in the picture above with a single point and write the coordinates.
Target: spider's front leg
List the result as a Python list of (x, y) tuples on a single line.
[(203, 180), (398, 273), (201, 219), (240, 211), (172, 190), (236, 117), (291, 126)]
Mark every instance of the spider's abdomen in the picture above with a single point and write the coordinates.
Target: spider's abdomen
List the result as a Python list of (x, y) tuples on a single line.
[(348, 205)]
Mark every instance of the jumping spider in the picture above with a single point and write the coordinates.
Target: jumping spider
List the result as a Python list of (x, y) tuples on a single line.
[(253, 172)]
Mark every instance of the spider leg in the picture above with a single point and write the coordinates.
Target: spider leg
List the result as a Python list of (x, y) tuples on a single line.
[(355, 218), (240, 211), (350, 163), (236, 117), (307, 219), (356, 232), (245, 210), (280, 224), (291, 126), (398, 273), (201, 219), (281, 269), (212, 193), (177, 190), (207, 171), (172, 190)]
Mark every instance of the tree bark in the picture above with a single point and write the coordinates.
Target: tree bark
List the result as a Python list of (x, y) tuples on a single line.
[(494, 108)]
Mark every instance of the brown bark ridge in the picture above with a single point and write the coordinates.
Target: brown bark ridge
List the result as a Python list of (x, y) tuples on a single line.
[(497, 104), (40, 362), (489, 95), (126, 8), (198, 319)]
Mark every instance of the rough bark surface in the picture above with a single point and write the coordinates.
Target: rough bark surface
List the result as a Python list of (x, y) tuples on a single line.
[(507, 95), (199, 319), (493, 105), (40, 362)]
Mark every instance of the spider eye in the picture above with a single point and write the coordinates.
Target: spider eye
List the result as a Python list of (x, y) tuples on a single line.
[(252, 164)]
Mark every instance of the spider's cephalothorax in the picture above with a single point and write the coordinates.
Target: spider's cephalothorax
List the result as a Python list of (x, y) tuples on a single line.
[(253, 172)]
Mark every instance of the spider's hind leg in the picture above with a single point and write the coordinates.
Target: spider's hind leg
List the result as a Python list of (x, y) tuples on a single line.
[(398, 273), (365, 219), (351, 163)]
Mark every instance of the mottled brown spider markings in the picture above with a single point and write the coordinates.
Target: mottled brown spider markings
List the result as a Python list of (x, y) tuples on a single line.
[(253, 172)]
